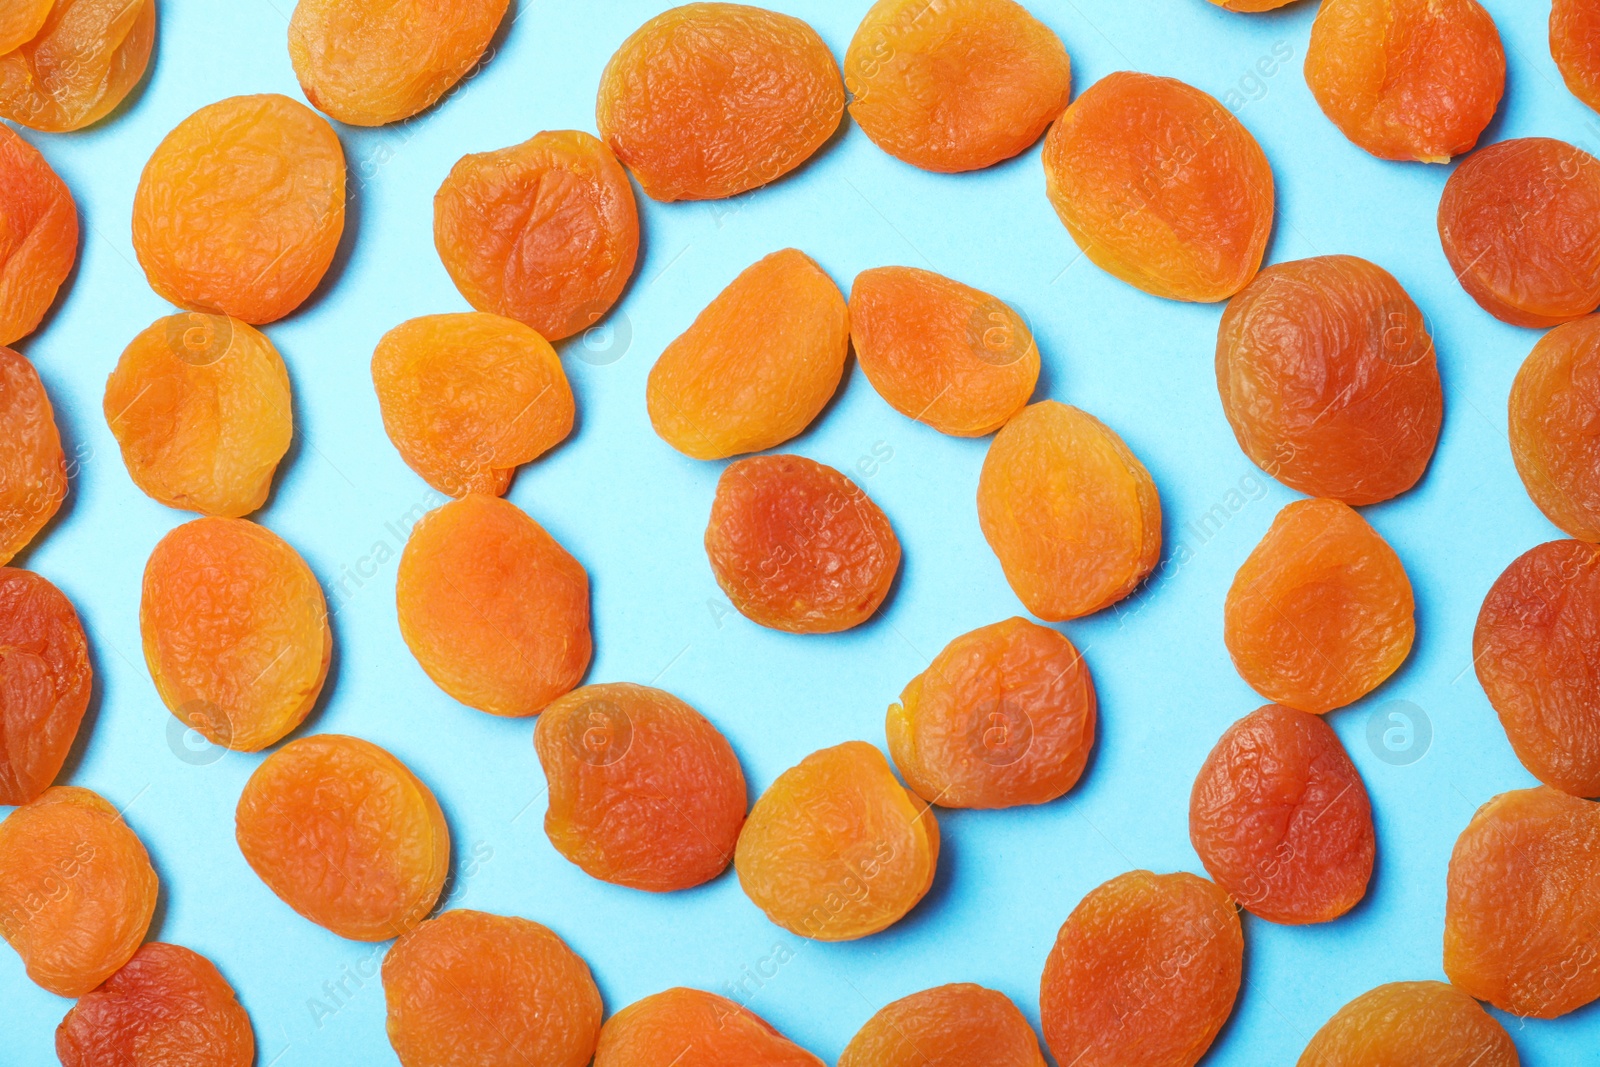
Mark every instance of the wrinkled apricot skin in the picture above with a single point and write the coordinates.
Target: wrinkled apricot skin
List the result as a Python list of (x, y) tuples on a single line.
[(1329, 379), (1523, 904), (1321, 612), (1070, 512), (837, 849), (235, 631), (692, 1028), (941, 352), (467, 399), (1145, 970), (346, 835), (1411, 1022), (469, 989), (1520, 224), (757, 365), (644, 792), (711, 100), (956, 87), (493, 608), (200, 406), (79, 890), (1005, 715), (958, 1025), (21, 21), (1553, 415), (167, 1005), (1575, 46), (33, 469), (81, 64), (38, 236), (1280, 818), (1161, 186), (240, 209), (46, 678)]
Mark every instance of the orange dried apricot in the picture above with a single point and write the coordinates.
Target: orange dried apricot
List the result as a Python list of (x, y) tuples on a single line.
[(346, 835), (757, 365), (241, 207), (1145, 970), (45, 681), (1575, 46), (955, 86), (1161, 186), (201, 408), (79, 890), (941, 352), (235, 631), (1252, 5), (1329, 379), (1280, 818), (1411, 1022), (467, 399), (1005, 715), (797, 546), (1520, 224), (712, 100), (836, 848), (167, 1005), (1523, 904), (644, 791), (470, 989), (692, 1028), (38, 236), (21, 21), (80, 65), (1554, 414), (1068, 509), (957, 1025), (545, 232), (493, 608), (1321, 612), (33, 469)]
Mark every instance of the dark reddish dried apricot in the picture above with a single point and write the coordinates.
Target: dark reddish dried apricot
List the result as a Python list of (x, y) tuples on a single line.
[(1252, 5), (1554, 413), (38, 235), (958, 1025), (80, 65), (1575, 46), (45, 681), (692, 1028), (33, 469), (1430, 1023)]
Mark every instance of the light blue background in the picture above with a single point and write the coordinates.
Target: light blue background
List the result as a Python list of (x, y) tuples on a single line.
[(633, 511)]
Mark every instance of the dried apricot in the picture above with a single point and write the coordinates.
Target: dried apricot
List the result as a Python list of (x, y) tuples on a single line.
[(21, 21), (1320, 614), (837, 848), (958, 1025), (1554, 413), (1005, 715), (80, 65), (45, 681), (235, 631), (955, 86), (346, 835), (33, 469), (1145, 970), (644, 792), (469, 989), (1329, 380), (1520, 225), (167, 1005), (941, 352), (1411, 1022), (1575, 46), (1281, 819), (1252, 5), (545, 232), (201, 408), (79, 890), (241, 208), (1523, 904), (1161, 186), (757, 365), (1069, 510), (467, 399), (692, 1028), (797, 546), (493, 608), (712, 100), (38, 235)]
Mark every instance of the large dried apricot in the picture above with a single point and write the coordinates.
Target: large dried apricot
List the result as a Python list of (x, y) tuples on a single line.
[(837, 848), (241, 208), (45, 681), (1431, 1023), (33, 469), (38, 235), (1144, 971), (757, 365), (494, 609), (83, 62), (692, 1028), (1329, 380), (469, 989), (1281, 819), (1069, 510), (958, 1025), (1553, 424), (21, 21), (1575, 46), (1161, 186), (79, 890), (712, 100), (467, 399)]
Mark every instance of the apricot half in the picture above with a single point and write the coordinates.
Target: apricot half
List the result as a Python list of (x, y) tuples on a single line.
[(1411, 1022), (692, 1028), (1575, 46), (33, 468), (80, 65), (38, 235), (46, 678), (1554, 414), (957, 1025)]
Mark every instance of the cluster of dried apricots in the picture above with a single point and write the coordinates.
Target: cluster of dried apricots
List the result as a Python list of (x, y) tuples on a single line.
[(1326, 374)]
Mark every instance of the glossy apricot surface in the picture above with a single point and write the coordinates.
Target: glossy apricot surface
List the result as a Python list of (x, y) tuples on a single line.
[(81, 64)]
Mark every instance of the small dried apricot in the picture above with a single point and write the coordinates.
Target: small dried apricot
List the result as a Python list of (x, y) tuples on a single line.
[(757, 365), (692, 1028), (1575, 46), (836, 848), (79, 66), (1431, 1023), (21, 21), (1554, 414), (45, 681), (958, 1025), (38, 235), (33, 469), (1252, 5), (1068, 509)]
